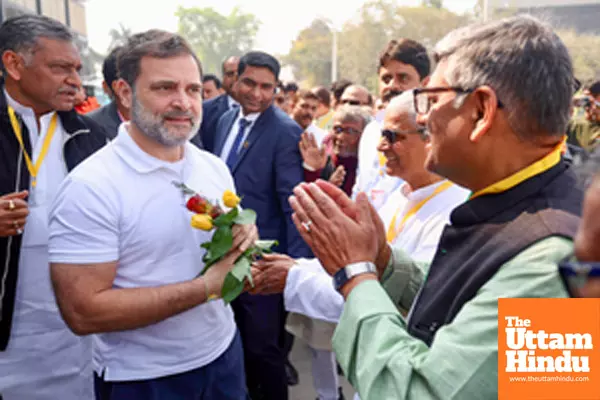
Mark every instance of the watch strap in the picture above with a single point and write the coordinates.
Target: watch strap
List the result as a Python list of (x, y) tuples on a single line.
[(349, 271)]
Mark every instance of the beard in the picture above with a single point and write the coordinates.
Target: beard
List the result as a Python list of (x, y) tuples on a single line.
[(153, 125)]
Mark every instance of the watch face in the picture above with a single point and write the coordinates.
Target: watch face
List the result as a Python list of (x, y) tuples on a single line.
[(340, 278)]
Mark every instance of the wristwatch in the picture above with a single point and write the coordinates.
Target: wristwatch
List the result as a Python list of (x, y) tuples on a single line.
[(345, 274)]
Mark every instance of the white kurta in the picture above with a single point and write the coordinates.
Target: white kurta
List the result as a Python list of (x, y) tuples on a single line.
[(44, 359)]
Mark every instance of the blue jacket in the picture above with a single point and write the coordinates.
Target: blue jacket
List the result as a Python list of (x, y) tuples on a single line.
[(267, 170), (212, 111)]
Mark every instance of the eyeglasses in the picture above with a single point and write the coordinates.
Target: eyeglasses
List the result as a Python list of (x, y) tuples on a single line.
[(392, 136), (423, 101), (351, 102), (351, 131), (575, 274)]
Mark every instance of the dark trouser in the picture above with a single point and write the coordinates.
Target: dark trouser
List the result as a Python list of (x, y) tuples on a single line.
[(261, 321), (223, 379)]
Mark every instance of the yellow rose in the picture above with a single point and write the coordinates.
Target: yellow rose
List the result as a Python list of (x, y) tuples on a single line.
[(202, 221), (230, 199)]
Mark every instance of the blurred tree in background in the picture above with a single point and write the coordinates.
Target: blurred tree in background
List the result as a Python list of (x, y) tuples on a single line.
[(214, 36)]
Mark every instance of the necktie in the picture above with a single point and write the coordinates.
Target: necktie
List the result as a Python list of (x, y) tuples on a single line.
[(234, 152)]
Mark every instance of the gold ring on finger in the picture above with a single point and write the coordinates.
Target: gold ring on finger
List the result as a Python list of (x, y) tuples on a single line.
[(16, 224), (11, 205)]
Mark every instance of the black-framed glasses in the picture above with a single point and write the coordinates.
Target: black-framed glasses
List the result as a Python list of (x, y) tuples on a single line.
[(391, 136), (341, 129), (423, 102), (351, 102), (575, 274)]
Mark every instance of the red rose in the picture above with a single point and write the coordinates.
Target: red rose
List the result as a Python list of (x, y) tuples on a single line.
[(198, 204), (216, 212)]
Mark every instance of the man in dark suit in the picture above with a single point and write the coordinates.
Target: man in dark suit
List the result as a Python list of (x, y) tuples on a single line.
[(114, 113), (259, 143), (214, 109)]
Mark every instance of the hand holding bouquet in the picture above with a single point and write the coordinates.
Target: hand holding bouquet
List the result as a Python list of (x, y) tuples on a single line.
[(209, 216)]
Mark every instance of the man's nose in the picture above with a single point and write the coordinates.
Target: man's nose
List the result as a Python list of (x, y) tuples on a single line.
[(181, 100), (73, 79)]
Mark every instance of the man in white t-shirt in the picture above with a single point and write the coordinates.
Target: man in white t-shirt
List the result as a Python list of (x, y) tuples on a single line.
[(124, 259)]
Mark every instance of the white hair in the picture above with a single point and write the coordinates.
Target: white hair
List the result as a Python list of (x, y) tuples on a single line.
[(404, 103)]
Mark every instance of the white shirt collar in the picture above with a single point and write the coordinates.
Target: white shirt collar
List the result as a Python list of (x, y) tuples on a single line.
[(18, 107), (138, 159), (421, 193), (231, 101), (252, 117)]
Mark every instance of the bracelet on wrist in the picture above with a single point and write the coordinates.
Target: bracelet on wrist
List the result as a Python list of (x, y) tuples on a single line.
[(209, 297)]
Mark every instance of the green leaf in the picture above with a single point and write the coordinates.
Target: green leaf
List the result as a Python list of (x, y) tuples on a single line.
[(221, 242), (241, 268), (246, 217), (249, 276), (184, 188), (265, 245), (232, 288), (226, 219)]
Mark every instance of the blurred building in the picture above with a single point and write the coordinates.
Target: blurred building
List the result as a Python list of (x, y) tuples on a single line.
[(581, 16), (69, 12)]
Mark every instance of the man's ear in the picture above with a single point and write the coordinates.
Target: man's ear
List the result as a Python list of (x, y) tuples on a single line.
[(425, 81), (124, 91), (13, 64), (486, 105)]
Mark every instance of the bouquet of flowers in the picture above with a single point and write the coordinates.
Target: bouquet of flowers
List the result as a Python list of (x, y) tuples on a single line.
[(210, 216)]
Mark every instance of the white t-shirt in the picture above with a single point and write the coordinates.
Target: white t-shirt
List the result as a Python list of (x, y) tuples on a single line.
[(309, 289), (121, 205)]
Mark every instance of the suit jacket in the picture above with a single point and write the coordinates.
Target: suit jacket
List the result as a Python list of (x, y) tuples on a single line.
[(268, 168), (212, 111), (108, 117)]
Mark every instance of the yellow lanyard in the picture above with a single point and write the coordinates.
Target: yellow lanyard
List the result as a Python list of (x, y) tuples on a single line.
[(382, 161), (543, 165), (326, 118), (33, 169), (392, 232)]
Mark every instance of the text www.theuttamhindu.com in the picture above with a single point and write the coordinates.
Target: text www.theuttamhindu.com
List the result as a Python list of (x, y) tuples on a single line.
[(530, 378)]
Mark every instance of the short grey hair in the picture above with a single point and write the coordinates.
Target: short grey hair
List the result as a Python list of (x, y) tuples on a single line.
[(21, 34), (350, 113), (153, 43), (526, 64)]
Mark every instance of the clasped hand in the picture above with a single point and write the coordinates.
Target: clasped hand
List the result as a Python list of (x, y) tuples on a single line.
[(339, 231)]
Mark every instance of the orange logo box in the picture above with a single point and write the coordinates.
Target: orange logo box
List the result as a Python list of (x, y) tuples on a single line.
[(549, 349)]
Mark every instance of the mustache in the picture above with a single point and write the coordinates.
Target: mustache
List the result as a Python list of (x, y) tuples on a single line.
[(178, 114), (68, 90)]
